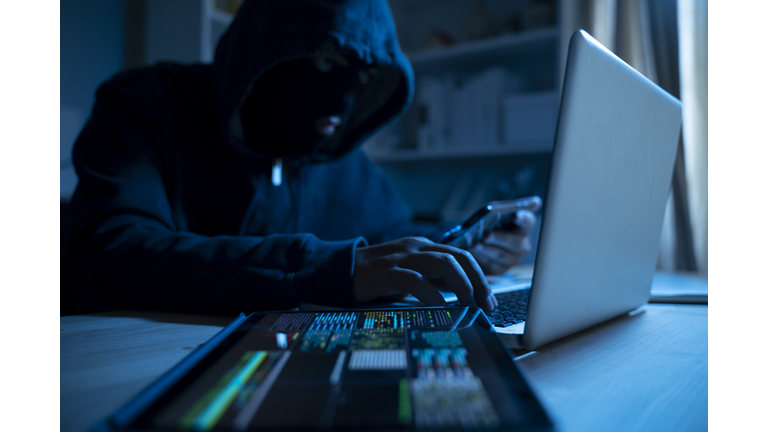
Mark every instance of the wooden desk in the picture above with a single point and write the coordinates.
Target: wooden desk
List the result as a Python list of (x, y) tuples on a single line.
[(647, 371), (644, 372)]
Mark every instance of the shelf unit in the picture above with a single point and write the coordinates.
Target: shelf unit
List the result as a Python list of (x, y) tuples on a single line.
[(471, 57), (532, 55)]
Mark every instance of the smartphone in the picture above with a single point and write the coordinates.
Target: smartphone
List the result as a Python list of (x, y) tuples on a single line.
[(486, 219)]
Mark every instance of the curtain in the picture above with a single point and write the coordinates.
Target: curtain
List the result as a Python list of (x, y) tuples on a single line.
[(693, 23)]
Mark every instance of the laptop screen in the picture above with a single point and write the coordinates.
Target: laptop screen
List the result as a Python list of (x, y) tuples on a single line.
[(340, 370)]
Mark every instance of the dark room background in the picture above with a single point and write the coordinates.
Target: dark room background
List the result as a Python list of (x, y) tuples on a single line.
[(488, 75)]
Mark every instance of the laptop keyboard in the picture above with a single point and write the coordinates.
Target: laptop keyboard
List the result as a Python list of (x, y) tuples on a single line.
[(513, 307)]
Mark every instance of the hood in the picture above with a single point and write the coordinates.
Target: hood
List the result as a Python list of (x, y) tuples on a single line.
[(265, 33)]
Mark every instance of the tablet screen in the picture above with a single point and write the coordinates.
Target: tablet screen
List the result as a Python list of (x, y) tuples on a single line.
[(341, 370)]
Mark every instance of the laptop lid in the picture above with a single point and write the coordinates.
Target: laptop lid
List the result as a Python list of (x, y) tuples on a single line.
[(615, 147)]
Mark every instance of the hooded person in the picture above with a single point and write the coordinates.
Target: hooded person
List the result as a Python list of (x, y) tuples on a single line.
[(240, 186)]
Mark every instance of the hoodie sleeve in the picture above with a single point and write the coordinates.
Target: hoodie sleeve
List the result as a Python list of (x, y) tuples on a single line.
[(124, 249)]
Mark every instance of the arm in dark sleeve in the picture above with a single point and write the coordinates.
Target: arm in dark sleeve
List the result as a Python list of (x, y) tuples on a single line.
[(124, 250)]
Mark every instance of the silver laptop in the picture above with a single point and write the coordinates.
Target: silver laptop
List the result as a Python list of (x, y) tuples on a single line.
[(611, 171), (612, 162)]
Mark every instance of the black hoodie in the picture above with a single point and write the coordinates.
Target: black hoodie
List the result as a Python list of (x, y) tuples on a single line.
[(174, 211)]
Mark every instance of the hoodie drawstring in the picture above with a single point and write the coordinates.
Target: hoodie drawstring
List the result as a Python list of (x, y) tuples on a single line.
[(277, 172)]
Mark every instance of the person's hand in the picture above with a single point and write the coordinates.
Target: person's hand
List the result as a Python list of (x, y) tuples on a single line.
[(500, 250), (417, 266)]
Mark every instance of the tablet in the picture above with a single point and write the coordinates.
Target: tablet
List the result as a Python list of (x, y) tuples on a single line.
[(377, 369)]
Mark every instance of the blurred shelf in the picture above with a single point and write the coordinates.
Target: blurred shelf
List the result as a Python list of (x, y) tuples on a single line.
[(485, 52), (516, 149)]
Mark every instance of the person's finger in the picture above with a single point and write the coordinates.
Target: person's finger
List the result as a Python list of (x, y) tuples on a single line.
[(481, 289), (406, 281), (521, 222), (442, 265), (416, 243), (538, 203), (525, 220)]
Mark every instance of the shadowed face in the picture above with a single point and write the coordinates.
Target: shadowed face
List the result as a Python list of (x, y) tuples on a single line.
[(296, 106)]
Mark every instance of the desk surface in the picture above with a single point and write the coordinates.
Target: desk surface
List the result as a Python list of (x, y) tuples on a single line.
[(644, 371)]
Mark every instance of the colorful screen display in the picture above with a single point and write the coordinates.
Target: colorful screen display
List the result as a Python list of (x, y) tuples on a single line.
[(377, 369)]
